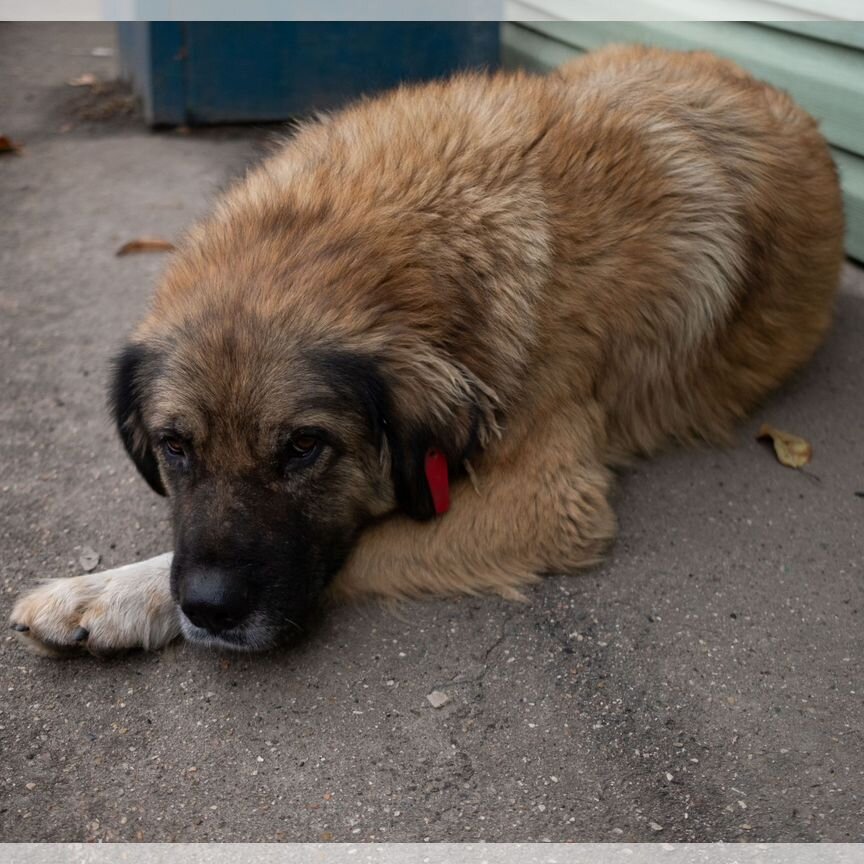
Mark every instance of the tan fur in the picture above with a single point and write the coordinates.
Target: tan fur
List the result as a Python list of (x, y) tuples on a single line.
[(634, 249)]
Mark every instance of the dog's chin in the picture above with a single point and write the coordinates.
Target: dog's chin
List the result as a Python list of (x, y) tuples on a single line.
[(251, 636)]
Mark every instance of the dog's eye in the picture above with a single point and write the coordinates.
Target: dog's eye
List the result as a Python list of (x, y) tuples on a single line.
[(174, 448), (303, 447)]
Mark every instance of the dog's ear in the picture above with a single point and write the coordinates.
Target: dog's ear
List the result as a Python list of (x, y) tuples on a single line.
[(408, 447), (441, 415), (359, 378), (125, 402), (415, 408)]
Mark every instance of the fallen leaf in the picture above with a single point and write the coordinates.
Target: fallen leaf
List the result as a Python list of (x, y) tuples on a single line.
[(145, 244), (7, 145), (792, 451), (88, 79)]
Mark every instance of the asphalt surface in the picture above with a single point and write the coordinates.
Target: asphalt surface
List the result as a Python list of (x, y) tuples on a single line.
[(703, 684)]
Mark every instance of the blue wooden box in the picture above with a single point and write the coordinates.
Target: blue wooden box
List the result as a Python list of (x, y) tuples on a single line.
[(229, 72)]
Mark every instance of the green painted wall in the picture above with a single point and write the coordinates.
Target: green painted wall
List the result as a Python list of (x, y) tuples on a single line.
[(820, 63)]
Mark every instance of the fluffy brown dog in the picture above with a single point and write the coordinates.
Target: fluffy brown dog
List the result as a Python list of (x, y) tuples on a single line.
[(505, 283)]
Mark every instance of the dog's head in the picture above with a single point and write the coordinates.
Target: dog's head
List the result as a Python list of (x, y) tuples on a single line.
[(276, 449)]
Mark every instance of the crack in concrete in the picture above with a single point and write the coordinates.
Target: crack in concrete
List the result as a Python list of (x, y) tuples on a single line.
[(484, 662)]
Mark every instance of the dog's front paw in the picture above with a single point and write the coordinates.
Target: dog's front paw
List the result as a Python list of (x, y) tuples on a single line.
[(129, 607)]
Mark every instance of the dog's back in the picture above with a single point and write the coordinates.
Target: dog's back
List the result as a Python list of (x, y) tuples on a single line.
[(728, 245), (723, 224)]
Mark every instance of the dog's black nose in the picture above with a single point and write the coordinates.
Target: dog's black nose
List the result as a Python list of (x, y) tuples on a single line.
[(213, 600)]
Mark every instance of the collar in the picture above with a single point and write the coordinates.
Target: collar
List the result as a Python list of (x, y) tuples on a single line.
[(438, 478)]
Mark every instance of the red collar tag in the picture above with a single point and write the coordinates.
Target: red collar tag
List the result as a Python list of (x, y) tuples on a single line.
[(439, 480)]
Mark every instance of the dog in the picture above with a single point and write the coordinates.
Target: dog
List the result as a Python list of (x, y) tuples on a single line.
[(403, 356)]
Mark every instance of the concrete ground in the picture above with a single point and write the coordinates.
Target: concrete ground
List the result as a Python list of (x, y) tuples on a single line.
[(703, 684)]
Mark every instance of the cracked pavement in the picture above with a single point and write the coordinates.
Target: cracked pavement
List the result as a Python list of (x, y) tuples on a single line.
[(705, 683)]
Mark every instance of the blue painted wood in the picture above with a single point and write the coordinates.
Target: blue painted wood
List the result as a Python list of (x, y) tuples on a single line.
[(226, 72), (152, 57)]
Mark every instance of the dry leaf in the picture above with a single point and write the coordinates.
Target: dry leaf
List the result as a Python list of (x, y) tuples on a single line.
[(88, 79), (7, 145), (145, 244), (792, 451)]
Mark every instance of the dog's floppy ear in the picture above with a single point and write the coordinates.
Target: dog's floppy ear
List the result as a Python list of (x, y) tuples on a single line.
[(415, 408), (360, 377), (442, 414), (125, 402), (408, 447)]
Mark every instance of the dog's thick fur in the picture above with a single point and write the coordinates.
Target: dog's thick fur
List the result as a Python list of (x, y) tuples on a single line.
[(538, 276)]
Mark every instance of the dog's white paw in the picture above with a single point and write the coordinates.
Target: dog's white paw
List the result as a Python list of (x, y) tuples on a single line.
[(128, 607)]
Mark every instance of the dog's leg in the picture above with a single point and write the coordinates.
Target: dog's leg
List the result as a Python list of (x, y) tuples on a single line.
[(540, 507), (128, 607)]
